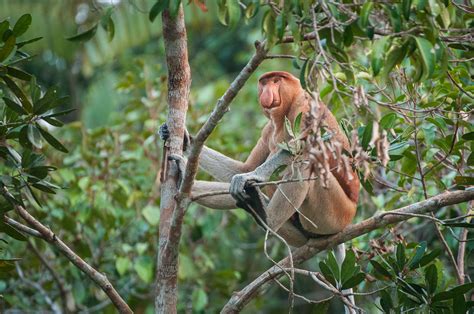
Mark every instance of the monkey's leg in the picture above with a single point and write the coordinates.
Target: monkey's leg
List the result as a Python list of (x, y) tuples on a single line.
[(286, 200), (221, 201), (255, 205)]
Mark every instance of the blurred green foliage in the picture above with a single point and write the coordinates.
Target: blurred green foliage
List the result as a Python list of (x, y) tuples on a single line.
[(108, 207)]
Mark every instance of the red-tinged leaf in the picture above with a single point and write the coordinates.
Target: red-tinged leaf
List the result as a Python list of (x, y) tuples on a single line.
[(201, 5)]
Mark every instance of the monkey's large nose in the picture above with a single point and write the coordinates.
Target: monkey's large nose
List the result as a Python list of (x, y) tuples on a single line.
[(266, 98)]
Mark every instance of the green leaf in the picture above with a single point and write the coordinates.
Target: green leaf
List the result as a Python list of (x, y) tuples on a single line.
[(464, 180), (353, 281), (19, 93), (269, 28), (12, 232), (157, 8), (7, 48), (288, 128), (4, 25), (200, 300), (460, 224), (388, 121), (379, 269), (45, 187), (327, 273), (107, 23), (395, 18), (401, 260), (333, 265), (452, 293), (34, 136), (431, 278), (233, 8), (19, 74), (23, 137), (470, 159), (59, 113), (122, 264), (348, 266), (367, 135), (45, 103), (420, 251), (394, 56), (40, 172), (26, 42), (428, 258), (348, 36), (151, 214), (174, 8), (14, 106), (386, 301), (364, 14), (280, 23), (222, 12), (52, 140), (468, 136), (406, 9), (378, 53), (428, 56), (21, 26), (304, 74), (54, 122), (297, 124), (459, 304), (251, 10), (84, 36), (144, 268)]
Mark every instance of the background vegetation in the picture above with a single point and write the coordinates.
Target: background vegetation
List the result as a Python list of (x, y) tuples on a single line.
[(399, 70)]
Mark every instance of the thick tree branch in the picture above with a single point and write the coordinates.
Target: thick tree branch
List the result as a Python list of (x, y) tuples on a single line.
[(313, 246), (172, 209), (49, 236)]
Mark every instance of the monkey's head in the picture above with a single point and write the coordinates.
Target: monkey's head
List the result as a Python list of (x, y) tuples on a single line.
[(277, 91)]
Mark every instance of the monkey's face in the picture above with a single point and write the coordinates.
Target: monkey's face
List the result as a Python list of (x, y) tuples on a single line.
[(276, 91)]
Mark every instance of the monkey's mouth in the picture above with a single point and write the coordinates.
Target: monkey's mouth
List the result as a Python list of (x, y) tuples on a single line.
[(273, 105)]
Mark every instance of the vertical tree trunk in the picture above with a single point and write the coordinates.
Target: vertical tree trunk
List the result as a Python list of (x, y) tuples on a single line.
[(179, 81)]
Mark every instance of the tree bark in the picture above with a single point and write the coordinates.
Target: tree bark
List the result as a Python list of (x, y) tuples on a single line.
[(171, 215)]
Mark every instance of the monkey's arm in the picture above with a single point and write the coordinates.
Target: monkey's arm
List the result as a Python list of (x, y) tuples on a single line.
[(223, 168), (260, 174)]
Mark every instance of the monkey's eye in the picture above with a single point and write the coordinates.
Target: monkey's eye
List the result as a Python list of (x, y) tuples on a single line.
[(276, 80)]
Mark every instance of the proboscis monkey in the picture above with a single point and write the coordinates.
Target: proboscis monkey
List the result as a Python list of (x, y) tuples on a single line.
[(297, 210)]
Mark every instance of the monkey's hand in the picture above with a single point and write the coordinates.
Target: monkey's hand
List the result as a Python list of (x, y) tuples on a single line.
[(240, 182), (164, 133), (261, 174)]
